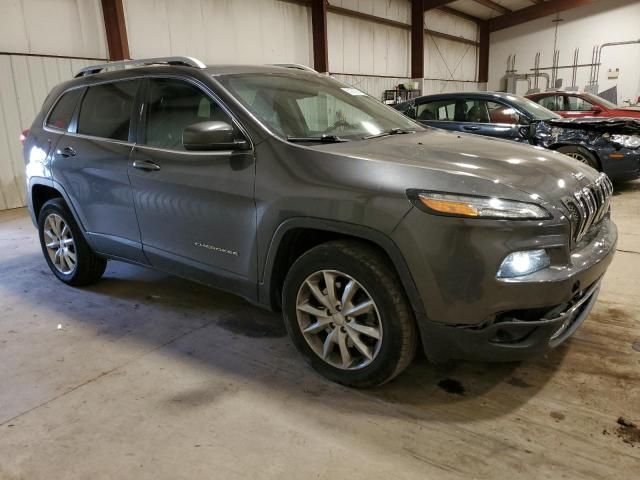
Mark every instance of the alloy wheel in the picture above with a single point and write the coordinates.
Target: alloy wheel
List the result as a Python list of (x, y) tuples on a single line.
[(339, 319), (60, 244), (578, 156)]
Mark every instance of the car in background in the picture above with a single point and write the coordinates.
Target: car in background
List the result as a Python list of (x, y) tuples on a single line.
[(610, 145), (575, 105)]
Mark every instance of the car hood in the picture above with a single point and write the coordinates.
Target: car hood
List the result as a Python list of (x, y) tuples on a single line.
[(626, 125), (538, 172)]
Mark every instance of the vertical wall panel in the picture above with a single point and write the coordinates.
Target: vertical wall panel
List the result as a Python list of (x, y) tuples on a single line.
[(220, 31), (25, 81), (53, 27)]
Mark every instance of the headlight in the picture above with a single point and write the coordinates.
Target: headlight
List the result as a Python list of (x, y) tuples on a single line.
[(517, 264), (476, 207), (629, 141)]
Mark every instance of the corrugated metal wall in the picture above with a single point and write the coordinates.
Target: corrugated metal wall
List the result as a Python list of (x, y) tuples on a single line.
[(25, 81), (220, 31)]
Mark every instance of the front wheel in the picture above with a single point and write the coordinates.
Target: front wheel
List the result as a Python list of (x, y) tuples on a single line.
[(65, 249), (346, 311), (581, 154)]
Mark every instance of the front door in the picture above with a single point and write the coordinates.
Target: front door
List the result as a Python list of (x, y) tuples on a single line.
[(91, 163), (196, 210)]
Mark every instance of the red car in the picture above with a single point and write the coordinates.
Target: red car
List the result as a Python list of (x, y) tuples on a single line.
[(573, 104)]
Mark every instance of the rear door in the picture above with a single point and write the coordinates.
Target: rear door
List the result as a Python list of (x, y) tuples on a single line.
[(91, 163), (446, 113), (196, 210)]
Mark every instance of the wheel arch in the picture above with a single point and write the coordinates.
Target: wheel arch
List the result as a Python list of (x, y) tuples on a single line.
[(43, 190), (297, 235), (557, 146)]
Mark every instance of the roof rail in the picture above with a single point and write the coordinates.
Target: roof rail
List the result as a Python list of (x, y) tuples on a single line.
[(296, 66), (121, 65)]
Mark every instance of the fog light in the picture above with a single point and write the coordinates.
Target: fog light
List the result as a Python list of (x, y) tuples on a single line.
[(523, 263)]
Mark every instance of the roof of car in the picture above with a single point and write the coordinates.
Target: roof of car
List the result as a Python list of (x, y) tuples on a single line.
[(209, 70), (466, 95)]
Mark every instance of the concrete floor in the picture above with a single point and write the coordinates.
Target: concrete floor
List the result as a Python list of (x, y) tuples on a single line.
[(146, 376)]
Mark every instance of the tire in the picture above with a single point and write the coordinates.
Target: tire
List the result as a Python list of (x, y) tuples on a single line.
[(68, 255), (582, 155), (349, 263)]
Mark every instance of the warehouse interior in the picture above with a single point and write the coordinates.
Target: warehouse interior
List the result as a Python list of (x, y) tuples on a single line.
[(148, 375)]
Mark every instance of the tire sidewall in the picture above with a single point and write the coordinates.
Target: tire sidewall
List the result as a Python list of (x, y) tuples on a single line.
[(388, 356), (591, 159), (57, 206)]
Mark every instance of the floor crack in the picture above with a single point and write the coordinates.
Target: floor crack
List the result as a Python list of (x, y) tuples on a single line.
[(627, 251)]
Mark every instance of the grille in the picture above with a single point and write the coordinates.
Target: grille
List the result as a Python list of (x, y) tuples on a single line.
[(589, 205)]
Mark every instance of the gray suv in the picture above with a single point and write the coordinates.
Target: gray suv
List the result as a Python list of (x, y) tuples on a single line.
[(372, 234)]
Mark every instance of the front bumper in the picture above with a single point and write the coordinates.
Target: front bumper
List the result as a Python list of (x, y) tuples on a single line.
[(469, 314), (621, 164), (512, 339)]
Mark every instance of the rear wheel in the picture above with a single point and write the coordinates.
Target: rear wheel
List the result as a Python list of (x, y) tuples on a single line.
[(346, 311), (64, 247), (581, 154)]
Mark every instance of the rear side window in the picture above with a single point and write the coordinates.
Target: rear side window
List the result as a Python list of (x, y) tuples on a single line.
[(60, 116), (106, 110), (438, 110), (173, 106)]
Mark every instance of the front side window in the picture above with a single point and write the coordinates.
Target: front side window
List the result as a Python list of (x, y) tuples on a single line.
[(61, 114), (106, 110), (173, 105), (577, 104), (304, 105)]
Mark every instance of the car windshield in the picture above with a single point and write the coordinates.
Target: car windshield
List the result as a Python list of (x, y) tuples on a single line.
[(304, 106), (535, 110), (600, 101)]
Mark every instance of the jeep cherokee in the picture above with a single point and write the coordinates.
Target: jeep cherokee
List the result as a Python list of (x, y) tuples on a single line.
[(371, 233)]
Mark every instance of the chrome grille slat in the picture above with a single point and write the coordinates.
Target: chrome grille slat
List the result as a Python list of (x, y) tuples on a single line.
[(589, 205)]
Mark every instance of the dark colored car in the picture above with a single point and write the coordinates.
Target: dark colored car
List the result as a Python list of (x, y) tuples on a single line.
[(576, 105), (610, 145), (303, 194)]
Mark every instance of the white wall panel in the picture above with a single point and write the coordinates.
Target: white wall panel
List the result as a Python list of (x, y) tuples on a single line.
[(220, 31), (582, 27), (449, 60), (443, 22), (358, 46), (25, 81), (71, 28)]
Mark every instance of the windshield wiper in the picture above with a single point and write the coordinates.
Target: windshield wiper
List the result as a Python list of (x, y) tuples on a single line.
[(386, 133), (321, 138)]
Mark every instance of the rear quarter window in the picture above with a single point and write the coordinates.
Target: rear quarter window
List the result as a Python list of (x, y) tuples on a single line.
[(106, 110), (62, 112)]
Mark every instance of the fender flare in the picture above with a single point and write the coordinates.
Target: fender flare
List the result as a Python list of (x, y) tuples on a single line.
[(48, 182), (374, 236)]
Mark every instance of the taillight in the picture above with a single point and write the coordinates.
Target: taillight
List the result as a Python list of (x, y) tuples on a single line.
[(24, 135)]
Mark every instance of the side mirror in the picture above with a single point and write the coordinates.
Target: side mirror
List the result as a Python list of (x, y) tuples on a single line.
[(211, 136)]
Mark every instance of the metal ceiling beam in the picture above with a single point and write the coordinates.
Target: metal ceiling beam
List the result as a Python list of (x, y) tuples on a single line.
[(115, 29), (534, 12), (494, 6)]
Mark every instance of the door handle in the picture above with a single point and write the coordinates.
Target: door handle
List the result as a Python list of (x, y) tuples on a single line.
[(66, 152), (146, 165), (471, 128)]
